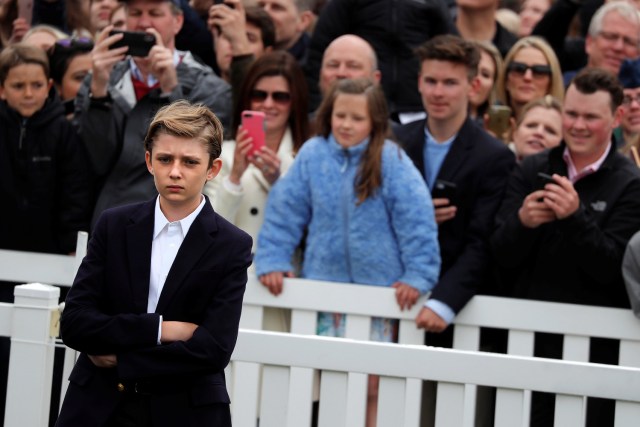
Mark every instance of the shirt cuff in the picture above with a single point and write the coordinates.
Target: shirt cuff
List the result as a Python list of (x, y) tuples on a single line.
[(160, 330), (230, 186), (441, 309)]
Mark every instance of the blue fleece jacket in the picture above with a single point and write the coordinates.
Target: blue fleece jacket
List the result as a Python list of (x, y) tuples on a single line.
[(391, 236)]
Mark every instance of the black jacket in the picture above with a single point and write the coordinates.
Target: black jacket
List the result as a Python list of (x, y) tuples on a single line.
[(46, 188), (479, 165), (577, 259), (394, 29)]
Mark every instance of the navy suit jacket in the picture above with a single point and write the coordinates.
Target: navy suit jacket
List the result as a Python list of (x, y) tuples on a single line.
[(479, 165), (105, 313)]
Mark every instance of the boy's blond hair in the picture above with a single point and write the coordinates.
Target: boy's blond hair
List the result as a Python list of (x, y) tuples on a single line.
[(20, 54)]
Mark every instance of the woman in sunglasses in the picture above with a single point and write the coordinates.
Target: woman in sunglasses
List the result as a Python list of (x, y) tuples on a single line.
[(531, 70), (274, 85)]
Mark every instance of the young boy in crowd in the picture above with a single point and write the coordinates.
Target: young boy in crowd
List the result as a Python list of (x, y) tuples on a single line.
[(44, 177)]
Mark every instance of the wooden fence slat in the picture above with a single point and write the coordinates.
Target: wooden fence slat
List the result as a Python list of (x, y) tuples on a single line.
[(333, 397), (449, 396), (391, 402), (569, 411), (274, 403)]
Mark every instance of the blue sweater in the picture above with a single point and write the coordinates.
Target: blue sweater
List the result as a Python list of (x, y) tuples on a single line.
[(391, 236)]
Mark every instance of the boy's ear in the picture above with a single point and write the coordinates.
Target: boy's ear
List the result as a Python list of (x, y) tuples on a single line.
[(2, 92), (50, 84)]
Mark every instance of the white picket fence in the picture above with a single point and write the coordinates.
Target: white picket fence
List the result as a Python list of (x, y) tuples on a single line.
[(289, 360)]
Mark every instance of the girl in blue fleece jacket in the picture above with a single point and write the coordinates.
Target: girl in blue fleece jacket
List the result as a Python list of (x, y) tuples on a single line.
[(368, 212)]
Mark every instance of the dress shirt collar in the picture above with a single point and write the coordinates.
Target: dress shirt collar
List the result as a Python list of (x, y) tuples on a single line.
[(161, 221), (574, 174)]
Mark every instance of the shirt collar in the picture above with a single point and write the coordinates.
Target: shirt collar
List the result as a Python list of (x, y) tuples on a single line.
[(151, 79), (161, 221), (574, 174)]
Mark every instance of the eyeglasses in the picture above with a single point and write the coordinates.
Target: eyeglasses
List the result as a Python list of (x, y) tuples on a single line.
[(538, 70), (628, 99), (614, 37), (278, 97)]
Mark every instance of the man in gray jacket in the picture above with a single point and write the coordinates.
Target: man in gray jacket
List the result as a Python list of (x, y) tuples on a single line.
[(116, 103)]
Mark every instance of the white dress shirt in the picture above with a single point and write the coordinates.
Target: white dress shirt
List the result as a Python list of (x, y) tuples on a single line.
[(167, 239)]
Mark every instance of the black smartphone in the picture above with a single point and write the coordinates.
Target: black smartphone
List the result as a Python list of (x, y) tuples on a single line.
[(544, 179), (139, 42), (444, 190), (223, 2)]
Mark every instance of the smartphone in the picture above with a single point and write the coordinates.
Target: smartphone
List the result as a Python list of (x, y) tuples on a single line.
[(544, 179), (499, 116), (25, 10), (444, 190), (223, 2), (139, 42), (253, 123)]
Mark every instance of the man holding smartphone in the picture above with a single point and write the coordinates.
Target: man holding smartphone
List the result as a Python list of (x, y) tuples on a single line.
[(116, 102), (564, 241), (455, 155)]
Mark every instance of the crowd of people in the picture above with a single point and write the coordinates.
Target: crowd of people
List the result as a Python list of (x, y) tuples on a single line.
[(381, 163)]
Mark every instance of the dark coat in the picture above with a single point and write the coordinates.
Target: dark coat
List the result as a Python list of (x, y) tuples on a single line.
[(106, 308), (46, 189), (577, 259), (394, 29), (479, 165)]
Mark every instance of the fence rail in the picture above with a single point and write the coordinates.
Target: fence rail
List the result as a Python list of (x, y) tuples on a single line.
[(28, 323)]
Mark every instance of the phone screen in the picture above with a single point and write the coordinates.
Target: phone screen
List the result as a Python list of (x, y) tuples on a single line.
[(253, 123)]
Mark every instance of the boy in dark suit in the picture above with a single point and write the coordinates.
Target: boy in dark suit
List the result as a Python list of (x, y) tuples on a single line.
[(156, 303), (450, 150)]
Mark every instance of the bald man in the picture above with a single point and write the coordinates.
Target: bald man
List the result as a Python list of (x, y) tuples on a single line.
[(348, 57)]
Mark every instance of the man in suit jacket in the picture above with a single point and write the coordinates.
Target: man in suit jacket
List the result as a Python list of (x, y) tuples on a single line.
[(452, 152), (156, 303)]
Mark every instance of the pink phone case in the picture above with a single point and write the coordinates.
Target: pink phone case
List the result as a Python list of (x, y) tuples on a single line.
[(253, 123), (25, 10)]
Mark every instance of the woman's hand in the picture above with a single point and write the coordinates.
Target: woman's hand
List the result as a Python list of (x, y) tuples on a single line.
[(269, 164), (240, 155)]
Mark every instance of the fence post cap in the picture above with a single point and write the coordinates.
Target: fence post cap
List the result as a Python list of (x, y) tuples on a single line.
[(36, 290)]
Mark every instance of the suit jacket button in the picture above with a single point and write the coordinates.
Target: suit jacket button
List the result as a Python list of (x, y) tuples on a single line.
[(120, 387), (254, 211)]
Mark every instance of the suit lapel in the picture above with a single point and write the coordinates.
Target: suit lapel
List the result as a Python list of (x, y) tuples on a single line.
[(415, 145), (458, 153), (195, 244), (139, 235)]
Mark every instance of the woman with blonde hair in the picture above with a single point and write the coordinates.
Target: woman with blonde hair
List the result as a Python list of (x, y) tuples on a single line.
[(531, 70), (539, 127)]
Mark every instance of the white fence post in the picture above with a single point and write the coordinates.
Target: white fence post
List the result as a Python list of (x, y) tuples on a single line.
[(31, 357)]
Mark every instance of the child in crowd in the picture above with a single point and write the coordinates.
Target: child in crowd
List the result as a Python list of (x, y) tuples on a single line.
[(45, 184), (367, 210)]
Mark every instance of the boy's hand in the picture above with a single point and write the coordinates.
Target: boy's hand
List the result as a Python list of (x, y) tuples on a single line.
[(430, 321), (406, 295), (103, 60), (104, 361), (173, 331), (443, 210)]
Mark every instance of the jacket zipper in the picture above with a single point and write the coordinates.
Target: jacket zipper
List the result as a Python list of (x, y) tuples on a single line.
[(23, 132), (345, 210)]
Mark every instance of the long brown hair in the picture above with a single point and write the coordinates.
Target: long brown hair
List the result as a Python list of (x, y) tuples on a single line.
[(369, 176), (279, 63)]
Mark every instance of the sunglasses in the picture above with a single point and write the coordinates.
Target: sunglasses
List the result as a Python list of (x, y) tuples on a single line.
[(536, 70), (278, 97), (76, 42)]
